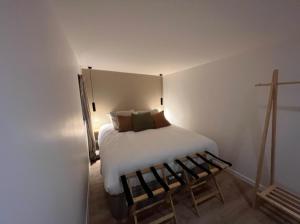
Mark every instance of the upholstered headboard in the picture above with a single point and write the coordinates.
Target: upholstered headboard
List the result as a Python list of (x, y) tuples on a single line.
[(121, 91)]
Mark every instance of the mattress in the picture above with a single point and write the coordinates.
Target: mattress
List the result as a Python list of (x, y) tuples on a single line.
[(125, 152)]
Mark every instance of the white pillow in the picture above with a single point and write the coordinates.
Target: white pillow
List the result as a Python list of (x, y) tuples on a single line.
[(114, 116)]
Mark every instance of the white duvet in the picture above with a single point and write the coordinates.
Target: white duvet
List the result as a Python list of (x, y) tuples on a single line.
[(126, 152)]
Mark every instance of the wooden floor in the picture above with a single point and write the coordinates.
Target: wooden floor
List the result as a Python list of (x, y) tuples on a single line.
[(237, 209)]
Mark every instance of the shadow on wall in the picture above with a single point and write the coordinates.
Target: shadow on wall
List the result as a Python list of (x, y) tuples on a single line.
[(220, 101)]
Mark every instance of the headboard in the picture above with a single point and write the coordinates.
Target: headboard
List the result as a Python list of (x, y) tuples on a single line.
[(121, 91)]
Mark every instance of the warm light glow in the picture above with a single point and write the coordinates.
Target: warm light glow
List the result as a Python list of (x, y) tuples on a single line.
[(96, 123), (98, 120), (169, 116)]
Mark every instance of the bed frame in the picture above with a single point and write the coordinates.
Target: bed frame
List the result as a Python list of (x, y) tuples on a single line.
[(168, 184)]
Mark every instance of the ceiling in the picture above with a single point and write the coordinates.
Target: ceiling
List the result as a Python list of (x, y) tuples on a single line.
[(166, 36)]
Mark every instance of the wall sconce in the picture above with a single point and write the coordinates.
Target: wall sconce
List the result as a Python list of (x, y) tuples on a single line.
[(161, 83), (93, 103)]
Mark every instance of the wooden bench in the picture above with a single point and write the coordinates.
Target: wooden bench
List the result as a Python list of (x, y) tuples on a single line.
[(200, 169), (167, 184)]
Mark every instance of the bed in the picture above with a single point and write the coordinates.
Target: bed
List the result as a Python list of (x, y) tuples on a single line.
[(125, 152)]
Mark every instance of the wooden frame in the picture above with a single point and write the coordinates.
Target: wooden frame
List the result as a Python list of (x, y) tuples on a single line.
[(214, 166), (198, 180), (279, 198), (165, 189)]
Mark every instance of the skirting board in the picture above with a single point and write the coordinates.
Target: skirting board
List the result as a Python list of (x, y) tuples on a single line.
[(87, 218), (244, 178)]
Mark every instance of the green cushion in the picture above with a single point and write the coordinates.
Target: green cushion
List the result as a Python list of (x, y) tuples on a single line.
[(142, 121)]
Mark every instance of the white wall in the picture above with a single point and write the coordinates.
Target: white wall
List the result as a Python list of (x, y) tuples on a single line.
[(121, 91), (43, 152), (219, 100)]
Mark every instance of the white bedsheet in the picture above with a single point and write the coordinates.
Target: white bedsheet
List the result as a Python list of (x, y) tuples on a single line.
[(129, 151)]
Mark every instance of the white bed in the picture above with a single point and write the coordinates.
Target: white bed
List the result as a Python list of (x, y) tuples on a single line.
[(126, 152)]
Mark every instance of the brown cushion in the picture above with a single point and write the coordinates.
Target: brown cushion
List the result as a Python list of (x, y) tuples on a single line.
[(125, 123), (142, 121), (114, 116), (160, 120)]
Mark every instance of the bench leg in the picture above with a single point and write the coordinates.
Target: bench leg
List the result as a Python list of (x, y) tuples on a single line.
[(194, 202), (134, 214), (172, 207), (218, 188)]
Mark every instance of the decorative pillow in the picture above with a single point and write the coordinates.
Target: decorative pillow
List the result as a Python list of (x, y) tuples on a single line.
[(114, 118), (142, 121), (159, 120), (125, 123)]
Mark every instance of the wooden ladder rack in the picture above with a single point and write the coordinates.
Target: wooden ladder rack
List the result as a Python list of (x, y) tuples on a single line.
[(283, 200)]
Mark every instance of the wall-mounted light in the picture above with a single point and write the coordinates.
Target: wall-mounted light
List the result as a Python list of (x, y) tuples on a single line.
[(161, 99), (93, 103)]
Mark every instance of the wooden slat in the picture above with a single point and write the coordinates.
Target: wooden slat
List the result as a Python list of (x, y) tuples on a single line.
[(206, 197), (288, 194), (212, 170), (199, 165), (218, 158), (163, 219), (283, 203), (209, 162), (219, 163), (277, 214), (188, 170), (149, 206), (272, 196), (198, 184), (279, 83), (282, 208), (155, 192), (144, 184), (268, 190), (286, 200), (263, 144), (174, 174), (127, 192), (160, 180), (274, 125), (145, 170)]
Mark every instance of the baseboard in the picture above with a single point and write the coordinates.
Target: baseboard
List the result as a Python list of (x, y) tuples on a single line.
[(87, 199), (244, 178)]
